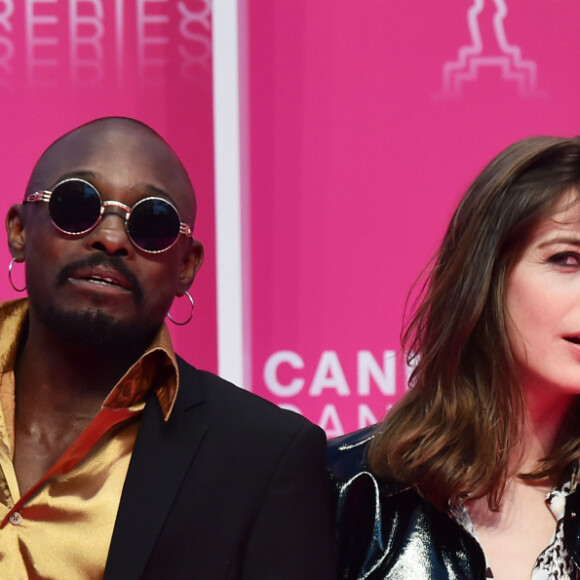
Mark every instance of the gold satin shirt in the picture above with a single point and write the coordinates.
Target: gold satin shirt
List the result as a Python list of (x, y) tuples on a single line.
[(62, 527)]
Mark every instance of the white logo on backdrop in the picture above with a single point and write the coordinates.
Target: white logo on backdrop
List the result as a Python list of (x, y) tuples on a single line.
[(489, 48), (328, 394), (74, 41)]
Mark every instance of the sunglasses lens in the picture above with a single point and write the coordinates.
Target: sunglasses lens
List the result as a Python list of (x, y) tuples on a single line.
[(153, 224), (74, 206)]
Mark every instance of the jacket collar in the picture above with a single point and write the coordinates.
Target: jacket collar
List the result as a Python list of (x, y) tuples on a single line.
[(164, 451)]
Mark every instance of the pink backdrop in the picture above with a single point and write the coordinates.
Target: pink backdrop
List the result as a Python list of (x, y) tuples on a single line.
[(368, 119), (65, 62), (365, 121)]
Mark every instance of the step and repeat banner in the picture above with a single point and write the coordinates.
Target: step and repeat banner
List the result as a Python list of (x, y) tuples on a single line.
[(66, 62), (363, 123), (368, 120)]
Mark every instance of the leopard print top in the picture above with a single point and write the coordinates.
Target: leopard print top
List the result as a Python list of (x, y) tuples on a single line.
[(554, 563)]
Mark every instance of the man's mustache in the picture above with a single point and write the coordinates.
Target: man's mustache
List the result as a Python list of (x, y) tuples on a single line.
[(110, 262)]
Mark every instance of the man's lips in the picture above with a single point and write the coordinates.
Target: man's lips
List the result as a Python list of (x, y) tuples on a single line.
[(102, 275), (104, 271)]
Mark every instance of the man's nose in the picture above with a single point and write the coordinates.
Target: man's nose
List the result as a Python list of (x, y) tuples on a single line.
[(110, 234)]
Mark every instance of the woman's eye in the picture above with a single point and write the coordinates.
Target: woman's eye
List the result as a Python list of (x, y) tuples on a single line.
[(566, 259)]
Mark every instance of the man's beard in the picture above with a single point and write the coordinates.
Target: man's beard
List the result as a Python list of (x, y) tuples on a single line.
[(92, 328)]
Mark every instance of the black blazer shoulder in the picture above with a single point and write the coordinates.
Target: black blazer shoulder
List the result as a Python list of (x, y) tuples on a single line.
[(230, 487), (240, 407)]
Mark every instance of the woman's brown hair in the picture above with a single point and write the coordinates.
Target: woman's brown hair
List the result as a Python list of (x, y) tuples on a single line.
[(453, 433)]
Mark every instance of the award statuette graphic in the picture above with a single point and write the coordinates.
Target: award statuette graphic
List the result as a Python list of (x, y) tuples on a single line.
[(489, 48)]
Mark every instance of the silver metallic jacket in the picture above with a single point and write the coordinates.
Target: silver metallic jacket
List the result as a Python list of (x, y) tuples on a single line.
[(386, 531)]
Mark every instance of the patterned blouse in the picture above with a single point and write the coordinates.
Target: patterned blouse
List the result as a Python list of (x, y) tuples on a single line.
[(554, 563)]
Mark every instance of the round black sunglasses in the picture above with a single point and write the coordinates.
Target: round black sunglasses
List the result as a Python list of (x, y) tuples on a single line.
[(75, 208)]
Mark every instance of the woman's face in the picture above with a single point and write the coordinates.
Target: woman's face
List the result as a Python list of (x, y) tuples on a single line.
[(543, 303)]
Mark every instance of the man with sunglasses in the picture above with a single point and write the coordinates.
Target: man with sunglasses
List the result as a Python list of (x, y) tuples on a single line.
[(118, 459)]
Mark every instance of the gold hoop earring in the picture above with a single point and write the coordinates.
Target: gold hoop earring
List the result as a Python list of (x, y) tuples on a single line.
[(190, 312), (10, 266)]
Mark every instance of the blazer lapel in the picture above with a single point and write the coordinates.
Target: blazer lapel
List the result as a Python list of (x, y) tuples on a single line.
[(163, 453)]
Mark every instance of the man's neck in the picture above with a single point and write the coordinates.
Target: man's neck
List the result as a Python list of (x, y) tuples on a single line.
[(59, 389)]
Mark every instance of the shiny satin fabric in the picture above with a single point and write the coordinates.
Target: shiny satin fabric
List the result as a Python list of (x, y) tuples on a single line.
[(386, 531), (62, 527)]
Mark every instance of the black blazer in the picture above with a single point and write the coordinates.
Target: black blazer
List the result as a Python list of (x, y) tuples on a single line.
[(231, 487)]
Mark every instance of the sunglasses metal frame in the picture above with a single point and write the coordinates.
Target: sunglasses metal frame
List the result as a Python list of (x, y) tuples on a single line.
[(45, 195)]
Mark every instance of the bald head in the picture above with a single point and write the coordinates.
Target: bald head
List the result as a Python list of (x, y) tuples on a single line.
[(116, 145), (102, 278)]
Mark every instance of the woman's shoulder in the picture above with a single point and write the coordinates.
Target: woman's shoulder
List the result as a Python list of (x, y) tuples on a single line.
[(375, 518), (347, 454), (347, 460)]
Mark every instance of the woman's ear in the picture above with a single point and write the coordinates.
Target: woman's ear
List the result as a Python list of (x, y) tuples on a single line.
[(15, 221), (190, 265)]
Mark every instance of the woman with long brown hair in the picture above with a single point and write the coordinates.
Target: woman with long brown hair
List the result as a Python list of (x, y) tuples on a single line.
[(473, 473)]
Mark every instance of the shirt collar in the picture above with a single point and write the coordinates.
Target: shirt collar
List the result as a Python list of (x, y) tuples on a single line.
[(156, 369)]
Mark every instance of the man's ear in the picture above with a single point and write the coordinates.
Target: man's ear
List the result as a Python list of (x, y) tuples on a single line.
[(15, 220), (190, 265)]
